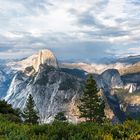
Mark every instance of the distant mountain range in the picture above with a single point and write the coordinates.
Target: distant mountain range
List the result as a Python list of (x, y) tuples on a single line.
[(57, 86)]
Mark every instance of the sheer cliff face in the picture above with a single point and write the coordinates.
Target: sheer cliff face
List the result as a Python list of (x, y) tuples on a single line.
[(42, 57), (52, 89), (112, 79), (45, 57), (5, 80)]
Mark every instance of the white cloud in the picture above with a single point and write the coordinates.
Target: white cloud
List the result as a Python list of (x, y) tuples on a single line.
[(56, 22)]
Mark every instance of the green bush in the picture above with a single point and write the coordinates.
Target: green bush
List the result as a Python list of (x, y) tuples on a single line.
[(59, 130)]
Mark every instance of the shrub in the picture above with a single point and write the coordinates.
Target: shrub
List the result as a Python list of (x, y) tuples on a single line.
[(59, 130)]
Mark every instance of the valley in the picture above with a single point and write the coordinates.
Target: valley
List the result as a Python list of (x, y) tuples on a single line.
[(56, 86)]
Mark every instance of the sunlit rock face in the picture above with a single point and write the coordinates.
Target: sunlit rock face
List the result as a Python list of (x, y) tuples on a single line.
[(34, 61), (45, 57), (52, 90)]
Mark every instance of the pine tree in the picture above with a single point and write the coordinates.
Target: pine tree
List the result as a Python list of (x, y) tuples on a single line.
[(92, 105), (6, 108), (29, 113), (10, 113), (60, 116)]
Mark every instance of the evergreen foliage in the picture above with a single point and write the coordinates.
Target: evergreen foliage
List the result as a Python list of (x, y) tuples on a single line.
[(60, 116), (6, 108), (29, 113), (92, 105), (8, 112), (129, 130)]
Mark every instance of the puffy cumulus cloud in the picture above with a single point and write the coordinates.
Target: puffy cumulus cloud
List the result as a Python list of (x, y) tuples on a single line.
[(75, 29)]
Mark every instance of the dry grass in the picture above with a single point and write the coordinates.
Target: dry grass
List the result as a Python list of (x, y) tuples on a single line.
[(131, 69)]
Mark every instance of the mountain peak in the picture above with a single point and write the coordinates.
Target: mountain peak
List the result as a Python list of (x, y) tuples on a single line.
[(45, 57), (42, 57)]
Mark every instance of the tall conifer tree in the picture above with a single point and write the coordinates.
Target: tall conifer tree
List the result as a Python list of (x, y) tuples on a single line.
[(29, 113), (92, 104)]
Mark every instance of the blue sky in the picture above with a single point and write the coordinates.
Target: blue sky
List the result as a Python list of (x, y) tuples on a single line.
[(85, 30)]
